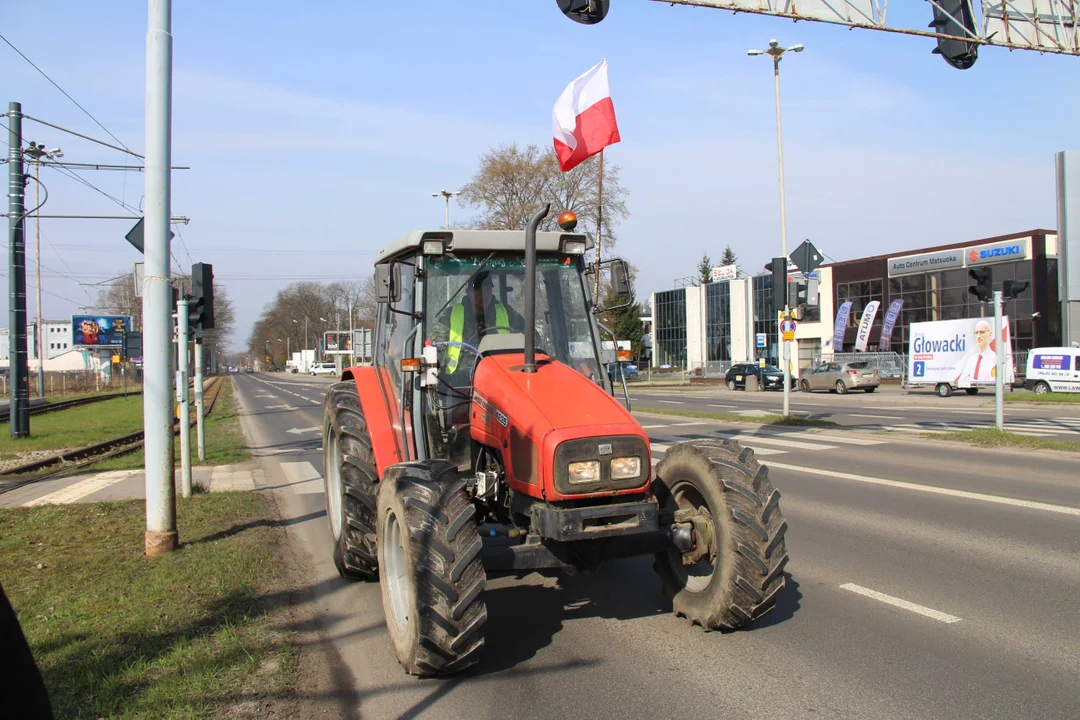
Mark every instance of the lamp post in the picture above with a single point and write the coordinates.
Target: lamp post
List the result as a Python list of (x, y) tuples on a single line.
[(447, 194), (776, 53), (38, 151)]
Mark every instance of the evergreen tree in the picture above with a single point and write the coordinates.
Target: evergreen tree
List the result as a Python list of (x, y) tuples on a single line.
[(705, 269), (729, 257)]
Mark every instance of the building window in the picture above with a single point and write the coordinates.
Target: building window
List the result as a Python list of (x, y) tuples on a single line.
[(764, 317), (718, 322), (860, 294), (670, 335)]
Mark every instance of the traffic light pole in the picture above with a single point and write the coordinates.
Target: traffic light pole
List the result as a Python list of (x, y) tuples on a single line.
[(783, 238), (182, 395), (999, 379), (199, 432), (19, 364)]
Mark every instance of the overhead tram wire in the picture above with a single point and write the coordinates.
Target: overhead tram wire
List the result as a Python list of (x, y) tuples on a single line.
[(67, 95)]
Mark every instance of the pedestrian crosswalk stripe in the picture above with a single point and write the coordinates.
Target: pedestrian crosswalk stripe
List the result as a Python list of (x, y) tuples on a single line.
[(303, 478), (82, 489)]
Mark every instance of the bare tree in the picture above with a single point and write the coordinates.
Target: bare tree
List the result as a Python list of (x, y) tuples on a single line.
[(512, 182)]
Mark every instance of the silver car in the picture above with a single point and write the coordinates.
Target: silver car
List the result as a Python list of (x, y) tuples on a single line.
[(841, 377)]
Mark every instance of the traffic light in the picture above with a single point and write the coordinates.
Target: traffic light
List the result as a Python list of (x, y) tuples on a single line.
[(201, 305), (778, 268), (983, 281), (132, 345), (1013, 288), (797, 297), (586, 12), (955, 17)]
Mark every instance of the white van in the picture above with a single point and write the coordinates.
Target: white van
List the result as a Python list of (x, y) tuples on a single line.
[(1054, 369)]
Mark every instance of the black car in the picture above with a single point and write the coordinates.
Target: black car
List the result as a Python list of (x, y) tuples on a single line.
[(773, 377)]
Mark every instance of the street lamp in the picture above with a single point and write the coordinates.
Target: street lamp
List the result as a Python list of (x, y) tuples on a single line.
[(447, 194), (776, 53), (36, 152)]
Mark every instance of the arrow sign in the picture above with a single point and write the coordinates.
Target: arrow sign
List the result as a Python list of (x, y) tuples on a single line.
[(300, 431)]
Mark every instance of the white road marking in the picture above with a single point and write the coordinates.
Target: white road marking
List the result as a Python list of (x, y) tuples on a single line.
[(757, 450), (752, 440), (903, 604), (834, 438), (651, 427), (672, 402), (270, 397), (280, 407), (997, 499), (83, 488), (298, 431), (724, 406), (303, 477), (878, 417)]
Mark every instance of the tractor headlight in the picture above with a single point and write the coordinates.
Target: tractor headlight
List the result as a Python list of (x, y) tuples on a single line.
[(624, 468), (584, 472)]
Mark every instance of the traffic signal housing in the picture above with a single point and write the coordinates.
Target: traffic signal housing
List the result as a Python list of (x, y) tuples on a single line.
[(955, 17), (778, 268), (798, 296), (201, 305), (983, 281), (586, 12), (1013, 288)]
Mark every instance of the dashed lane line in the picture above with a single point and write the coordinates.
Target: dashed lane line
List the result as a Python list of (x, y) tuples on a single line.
[(900, 603)]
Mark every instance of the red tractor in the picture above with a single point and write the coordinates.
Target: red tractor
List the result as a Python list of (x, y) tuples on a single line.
[(486, 438)]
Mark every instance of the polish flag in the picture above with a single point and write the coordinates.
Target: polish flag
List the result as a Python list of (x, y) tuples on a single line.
[(584, 118)]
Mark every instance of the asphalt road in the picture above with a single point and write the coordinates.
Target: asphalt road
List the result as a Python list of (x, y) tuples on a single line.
[(889, 408), (927, 580)]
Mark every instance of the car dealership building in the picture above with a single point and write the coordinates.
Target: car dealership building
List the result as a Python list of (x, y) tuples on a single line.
[(704, 329)]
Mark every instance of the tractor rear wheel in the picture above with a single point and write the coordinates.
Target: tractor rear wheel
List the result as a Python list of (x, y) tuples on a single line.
[(351, 482), (432, 575), (740, 552)]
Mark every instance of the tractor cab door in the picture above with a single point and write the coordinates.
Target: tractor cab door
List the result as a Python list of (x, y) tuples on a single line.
[(396, 324)]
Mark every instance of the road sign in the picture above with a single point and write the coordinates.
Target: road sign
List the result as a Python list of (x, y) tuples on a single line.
[(135, 235), (761, 340), (806, 257), (788, 329)]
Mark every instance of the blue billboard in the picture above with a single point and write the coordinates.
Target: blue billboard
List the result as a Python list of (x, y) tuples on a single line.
[(99, 330)]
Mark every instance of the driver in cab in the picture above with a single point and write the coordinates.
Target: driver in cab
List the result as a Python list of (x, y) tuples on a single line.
[(478, 314)]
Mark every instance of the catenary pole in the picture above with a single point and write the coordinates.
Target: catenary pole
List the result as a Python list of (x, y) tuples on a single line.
[(200, 431), (999, 363), (182, 375), (20, 385), (599, 233), (783, 234), (161, 534), (39, 338)]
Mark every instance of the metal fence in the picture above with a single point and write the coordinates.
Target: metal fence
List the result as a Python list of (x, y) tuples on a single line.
[(711, 369)]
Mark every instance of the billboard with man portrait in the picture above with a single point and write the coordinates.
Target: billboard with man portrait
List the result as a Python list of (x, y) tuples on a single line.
[(962, 353), (99, 330)]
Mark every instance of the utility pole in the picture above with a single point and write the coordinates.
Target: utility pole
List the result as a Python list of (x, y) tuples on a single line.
[(161, 534), (999, 362), (599, 229), (776, 53), (182, 393), (200, 432), (20, 386), (37, 152)]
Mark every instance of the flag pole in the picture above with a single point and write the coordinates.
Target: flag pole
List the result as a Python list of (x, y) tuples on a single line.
[(599, 220)]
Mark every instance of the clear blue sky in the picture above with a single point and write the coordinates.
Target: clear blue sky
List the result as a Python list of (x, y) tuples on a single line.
[(316, 132)]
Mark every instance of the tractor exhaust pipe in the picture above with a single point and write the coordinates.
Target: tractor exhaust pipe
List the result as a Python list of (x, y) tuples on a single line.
[(530, 287)]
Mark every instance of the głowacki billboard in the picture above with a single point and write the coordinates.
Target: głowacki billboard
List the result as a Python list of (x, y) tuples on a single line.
[(961, 353)]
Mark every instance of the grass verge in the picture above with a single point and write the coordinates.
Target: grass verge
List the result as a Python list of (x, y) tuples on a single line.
[(115, 634), (772, 420), (225, 444), (76, 427), (992, 437), (1048, 399)]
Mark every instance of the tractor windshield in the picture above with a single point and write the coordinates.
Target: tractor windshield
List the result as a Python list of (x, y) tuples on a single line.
[(489, 291)]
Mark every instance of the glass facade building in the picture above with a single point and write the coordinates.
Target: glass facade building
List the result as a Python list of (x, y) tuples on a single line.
[(718, 322), (765, 319), (669, 335)]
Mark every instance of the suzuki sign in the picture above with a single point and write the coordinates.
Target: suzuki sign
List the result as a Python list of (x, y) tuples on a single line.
[(998, 252)]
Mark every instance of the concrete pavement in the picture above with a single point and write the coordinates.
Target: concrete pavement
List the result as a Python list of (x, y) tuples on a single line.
[(927, 580)]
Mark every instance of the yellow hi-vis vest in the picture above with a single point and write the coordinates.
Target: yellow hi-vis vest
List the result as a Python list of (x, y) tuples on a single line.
[(457, 330)]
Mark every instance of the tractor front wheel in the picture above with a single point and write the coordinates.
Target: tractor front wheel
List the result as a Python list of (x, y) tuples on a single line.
[(735, 570), (350, 482), (431, 572)]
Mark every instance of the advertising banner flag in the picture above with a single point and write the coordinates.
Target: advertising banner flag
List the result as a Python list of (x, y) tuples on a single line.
[(962, 353), (890, 324), (867, 322), (99, 330), (842, 316)]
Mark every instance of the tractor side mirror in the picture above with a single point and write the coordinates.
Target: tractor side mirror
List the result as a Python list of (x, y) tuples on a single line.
[(388, 282), (620, 279)]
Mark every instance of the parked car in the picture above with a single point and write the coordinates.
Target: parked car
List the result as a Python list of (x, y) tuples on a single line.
[(324, 369), (841, 377), (629, 371), (769, 377)]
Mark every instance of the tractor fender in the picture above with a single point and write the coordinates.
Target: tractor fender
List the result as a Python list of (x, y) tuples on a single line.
[(381, 418)]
